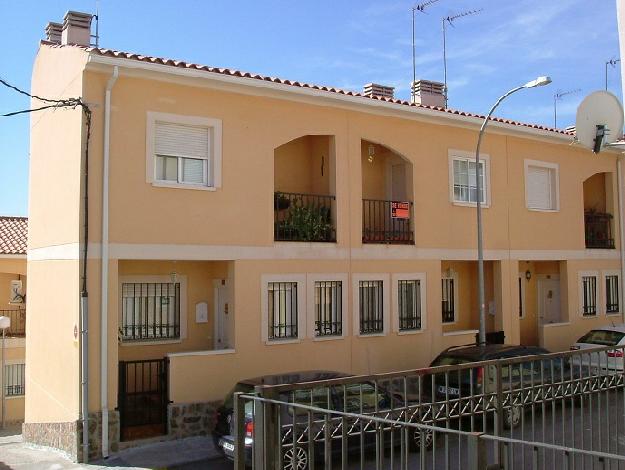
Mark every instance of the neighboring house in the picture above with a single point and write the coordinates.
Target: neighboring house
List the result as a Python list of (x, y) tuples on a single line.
[(241, 225), (13, 237)]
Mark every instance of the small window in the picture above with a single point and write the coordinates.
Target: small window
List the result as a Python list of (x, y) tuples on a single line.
[(612, 294), (541, 186), (328, 308), (282, 310), (409, 304), (371, 307), (150, 311), (15, 380), (589, 296), (181, 153), (464, 180), (448, 300)]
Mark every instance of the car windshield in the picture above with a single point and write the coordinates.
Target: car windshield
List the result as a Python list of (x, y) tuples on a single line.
[(602, 337)]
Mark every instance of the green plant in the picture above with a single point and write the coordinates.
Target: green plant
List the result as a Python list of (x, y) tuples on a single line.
[(308, 223)]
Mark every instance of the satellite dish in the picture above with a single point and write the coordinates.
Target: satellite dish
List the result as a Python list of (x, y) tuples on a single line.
[(599, 120)]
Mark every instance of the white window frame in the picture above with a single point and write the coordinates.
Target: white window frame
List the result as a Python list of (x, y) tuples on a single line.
[(422, 278), (580, 287), (182, 280), (310, 296), (604, 275), (12, 362), (523, 299), (552, 166), (213, 164), (300, 280), (462, 155), (452, 275), (386, 302)]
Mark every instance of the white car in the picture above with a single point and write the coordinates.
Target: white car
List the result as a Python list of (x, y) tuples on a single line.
[(600, 337)]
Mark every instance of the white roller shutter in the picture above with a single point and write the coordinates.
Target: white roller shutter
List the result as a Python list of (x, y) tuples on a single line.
[(178, 140), (540, 191)]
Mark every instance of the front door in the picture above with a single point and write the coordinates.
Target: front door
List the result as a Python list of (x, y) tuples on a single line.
[(223, 316), (549, 301)]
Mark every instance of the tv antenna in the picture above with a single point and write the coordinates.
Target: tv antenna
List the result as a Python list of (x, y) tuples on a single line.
[(96, 36), (420, 7), (450, 19), (613, 63), (557, 97)]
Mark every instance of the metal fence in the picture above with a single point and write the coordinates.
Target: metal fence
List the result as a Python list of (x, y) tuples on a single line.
[(17, 317), (563, 410), (383, 223), (302, 217)]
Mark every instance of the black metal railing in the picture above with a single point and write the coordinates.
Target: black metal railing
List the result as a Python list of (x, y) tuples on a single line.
[(387, 222), (598, 230), (150, 311), (302, 217), (18, 321)]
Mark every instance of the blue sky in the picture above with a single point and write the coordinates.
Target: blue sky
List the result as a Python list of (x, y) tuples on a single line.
[(339, 43)]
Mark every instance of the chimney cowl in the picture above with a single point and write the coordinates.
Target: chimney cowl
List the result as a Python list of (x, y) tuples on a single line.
[(77, 28), (54, 32), (428, 93), (378, 91)]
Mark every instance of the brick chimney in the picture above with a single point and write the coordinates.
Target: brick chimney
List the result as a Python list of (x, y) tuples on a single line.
[(379, 91), (54, 32), (428, 93), (76, 28)]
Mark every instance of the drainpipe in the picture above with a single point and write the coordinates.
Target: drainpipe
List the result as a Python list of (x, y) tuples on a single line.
[(621, 229), (104, 277)]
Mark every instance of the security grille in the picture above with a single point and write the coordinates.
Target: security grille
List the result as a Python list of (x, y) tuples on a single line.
[(371, 307), (282, 310), (328, 308), (150, 311), (448, 303), (589, 295), (14, 379), (611, 294), (409, 299)]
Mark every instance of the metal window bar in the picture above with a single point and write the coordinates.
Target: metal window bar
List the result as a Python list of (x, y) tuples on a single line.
[(589, 295), (328, 308), (282, 308), (409, 303), (18, 321), (150, 311), (379, 225), (448, 300), (598, 230), (612, 294), (300, 217), (371, 307), (14, 380)]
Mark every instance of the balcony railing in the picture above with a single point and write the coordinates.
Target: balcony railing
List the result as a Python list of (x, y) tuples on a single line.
[(387, 222), (302, 217), (598, 230), (18, 321)]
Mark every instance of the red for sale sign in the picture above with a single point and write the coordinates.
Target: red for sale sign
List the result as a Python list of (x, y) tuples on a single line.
[(400, 210)]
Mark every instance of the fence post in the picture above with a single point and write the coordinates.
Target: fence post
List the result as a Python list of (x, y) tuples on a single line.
[(267, 432), (239, 432), (476, 452), (499, 413)]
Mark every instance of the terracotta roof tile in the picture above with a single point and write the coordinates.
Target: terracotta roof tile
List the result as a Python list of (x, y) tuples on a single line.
[(13, 235), (238, 73)]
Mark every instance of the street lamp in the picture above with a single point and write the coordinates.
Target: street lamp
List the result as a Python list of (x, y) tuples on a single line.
[(540, 81), (5, 323)]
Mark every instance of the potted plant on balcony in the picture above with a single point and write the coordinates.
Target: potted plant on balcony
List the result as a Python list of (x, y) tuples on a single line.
[(308, 223)]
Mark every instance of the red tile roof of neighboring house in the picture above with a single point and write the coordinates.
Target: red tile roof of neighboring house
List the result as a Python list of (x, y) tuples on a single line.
[(13, 235), (238, 73)]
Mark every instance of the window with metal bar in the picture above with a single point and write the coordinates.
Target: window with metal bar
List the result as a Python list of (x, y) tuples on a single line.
[(14, 380), (409, 304), (328, 308), (371, 298), (448, 300), (612, 294), (282, 309), (150, 311), (589, 295)]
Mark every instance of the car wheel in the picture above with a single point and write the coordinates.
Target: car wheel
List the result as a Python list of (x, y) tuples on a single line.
[(512, 416), (297, 460), (426, 434)]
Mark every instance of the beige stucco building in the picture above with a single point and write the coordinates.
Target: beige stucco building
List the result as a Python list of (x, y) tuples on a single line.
[(241, 225)]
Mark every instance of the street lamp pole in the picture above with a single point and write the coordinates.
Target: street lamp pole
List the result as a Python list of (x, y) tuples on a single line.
[(540, 81)]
